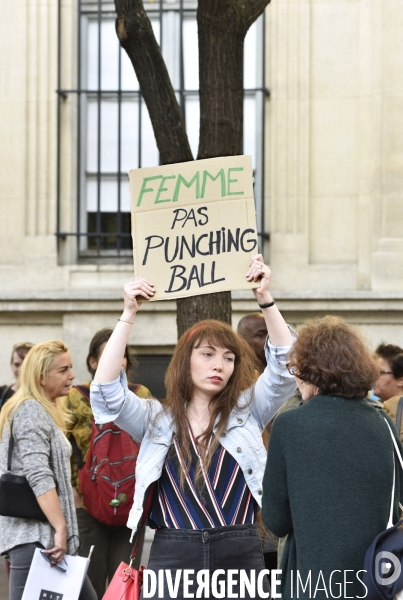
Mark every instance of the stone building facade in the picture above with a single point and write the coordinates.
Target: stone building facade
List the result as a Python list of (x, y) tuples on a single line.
[(333, 178)]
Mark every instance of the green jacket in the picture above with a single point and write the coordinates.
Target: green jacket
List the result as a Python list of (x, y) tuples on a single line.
[(328, 485)]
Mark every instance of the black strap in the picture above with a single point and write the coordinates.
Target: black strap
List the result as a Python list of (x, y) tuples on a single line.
[(4, 393), (399, 415), (10, 448), (76, 450), (143, 519), (84, 390)]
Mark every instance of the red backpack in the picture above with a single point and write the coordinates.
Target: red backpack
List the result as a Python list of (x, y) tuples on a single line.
[(107, 478)]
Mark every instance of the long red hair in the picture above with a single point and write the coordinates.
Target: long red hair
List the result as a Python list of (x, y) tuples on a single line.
[(179, 385)]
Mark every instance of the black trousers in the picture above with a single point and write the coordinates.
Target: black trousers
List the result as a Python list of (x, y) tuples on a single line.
[(234, 547)]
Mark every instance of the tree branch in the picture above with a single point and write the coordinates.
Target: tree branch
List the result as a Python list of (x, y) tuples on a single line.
[(253, 10), (136, 36), (235, 11)]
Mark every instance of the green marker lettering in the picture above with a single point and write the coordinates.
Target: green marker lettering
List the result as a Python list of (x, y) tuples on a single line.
[(163, 189), (188, 184), (233, 181), (145, 189), (219, 174)]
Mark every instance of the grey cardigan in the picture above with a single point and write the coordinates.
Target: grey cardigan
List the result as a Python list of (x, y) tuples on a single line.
[(41, 453)]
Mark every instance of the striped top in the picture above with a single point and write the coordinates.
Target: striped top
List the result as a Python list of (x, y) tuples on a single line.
[(225, 498)]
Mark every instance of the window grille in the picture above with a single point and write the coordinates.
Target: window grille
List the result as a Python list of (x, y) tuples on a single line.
[(150, 371), (105, 115)]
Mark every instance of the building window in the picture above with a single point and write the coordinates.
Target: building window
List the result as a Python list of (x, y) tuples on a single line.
[(111, 128), (150, 371)]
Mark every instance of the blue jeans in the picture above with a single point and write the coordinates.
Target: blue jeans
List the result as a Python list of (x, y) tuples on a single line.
[(20, 562), (230, 547)]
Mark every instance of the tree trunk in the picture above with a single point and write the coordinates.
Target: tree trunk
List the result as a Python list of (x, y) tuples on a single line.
[(136, 36), (221, 42), (207, 306), (221, 124), (222, 27)]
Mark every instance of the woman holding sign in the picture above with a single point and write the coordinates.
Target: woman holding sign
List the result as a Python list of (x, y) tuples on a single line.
[(202, 446)]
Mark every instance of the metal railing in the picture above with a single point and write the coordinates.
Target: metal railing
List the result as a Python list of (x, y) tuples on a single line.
[(99, 233)]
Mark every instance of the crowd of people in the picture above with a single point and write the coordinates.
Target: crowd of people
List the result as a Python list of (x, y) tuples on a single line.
[(271, 450)]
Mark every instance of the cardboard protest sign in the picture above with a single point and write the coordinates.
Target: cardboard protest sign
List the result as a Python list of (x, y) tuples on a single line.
[(194, 226)]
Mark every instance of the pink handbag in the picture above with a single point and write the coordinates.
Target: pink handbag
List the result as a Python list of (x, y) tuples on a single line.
[(127, 582)]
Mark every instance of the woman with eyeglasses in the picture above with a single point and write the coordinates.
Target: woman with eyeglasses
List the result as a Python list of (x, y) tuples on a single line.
[(330, 466), (36, 418), (201, 458), (389, 383)]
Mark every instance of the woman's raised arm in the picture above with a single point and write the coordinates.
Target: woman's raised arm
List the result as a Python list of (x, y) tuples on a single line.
[(277, 329), (110, 362)]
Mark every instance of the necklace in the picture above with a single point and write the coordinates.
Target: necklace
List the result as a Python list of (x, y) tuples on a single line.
[(202, 427)]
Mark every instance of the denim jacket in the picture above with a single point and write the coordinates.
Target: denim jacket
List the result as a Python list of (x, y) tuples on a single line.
[(152, 425)]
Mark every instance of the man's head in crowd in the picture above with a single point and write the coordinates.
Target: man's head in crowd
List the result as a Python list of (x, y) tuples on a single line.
[(253, 329)]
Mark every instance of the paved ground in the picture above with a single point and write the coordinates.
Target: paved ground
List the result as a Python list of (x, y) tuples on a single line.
[(4, 579)]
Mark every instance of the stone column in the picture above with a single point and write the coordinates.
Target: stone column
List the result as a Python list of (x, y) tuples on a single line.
[(388, 239)]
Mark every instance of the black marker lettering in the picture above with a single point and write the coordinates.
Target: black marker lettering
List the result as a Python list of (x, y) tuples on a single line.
[(201, 213), (176, 212), (253, 242), (213, 274), (194, 274), (205, 235), (192, 251), (191, 216), (167, 240), (214, 242), (232, 241), (173, 277), (149, 247)]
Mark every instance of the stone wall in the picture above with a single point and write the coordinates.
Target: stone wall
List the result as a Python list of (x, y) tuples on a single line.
[(334, 178), (335, 139)]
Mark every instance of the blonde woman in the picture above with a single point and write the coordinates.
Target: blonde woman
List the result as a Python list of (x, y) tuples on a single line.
[(41, 452)]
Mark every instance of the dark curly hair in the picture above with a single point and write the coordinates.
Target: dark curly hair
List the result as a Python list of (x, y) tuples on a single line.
[(334, 356), (393, 356)]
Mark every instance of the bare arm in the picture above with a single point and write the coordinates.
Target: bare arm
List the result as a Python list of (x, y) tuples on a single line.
[(49, 503), (110, 362), (277, 329)]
